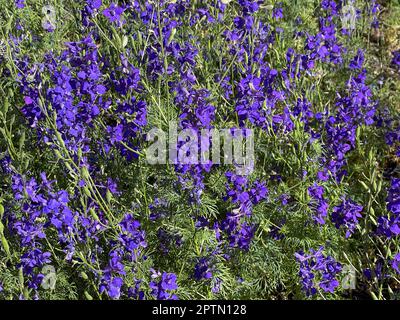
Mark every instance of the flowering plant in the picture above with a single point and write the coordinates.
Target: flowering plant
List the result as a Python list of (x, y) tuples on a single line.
[(314, 100)]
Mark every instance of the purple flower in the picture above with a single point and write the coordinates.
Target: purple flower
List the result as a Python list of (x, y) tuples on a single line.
[(318, 204), (396, 263), (393, 198), (346, 214), (160, 290), (358, 61), (114, 290), (259, 192), (94, 4), (132, 238), (277, 13), (20, 4), (216, 286), (113, 12), (330, 6), (239, 231), (318, 267), (396, 59), (168, 281), (5, 164), (135, 292), (202, 269), (390, 226), (49, 26)]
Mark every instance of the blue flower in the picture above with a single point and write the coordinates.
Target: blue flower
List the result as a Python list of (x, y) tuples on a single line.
[(113, 12), (316, 266), (347, 214), (396, 263)]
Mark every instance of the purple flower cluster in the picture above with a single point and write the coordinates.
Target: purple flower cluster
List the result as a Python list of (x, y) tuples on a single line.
[(111, 280), (346, 215), (392, 138), (390, 226), (44, 209), (353, 109), (20, 4), (73, 99), (113, 12), (393, 198), (396, 59), (161, 289), (314, 267), (325, 46), (202, 269), (197, 114), (77, 98), (136, 65), (236, 225), (396, 263), (318, 203), (91, 9)]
